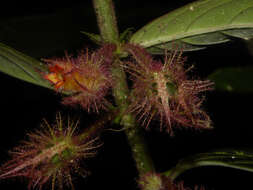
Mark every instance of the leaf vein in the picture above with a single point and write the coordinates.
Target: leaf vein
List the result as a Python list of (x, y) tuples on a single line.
[(240, 13), (204, 13)]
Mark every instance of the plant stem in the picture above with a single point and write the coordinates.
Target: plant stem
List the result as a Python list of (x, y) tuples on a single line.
[(109, 32), (106, 20), (136, 141)]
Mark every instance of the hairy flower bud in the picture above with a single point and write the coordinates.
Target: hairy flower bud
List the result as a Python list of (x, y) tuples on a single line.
[(87, 77), (165, 91), (51, 154)]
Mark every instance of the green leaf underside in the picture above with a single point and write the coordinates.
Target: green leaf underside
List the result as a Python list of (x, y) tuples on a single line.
[(233, 79), (237, 159), (21, 66), (196, 25)]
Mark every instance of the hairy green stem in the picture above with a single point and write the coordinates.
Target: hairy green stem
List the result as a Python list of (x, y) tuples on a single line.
[(109, 32), (136, 141), (106, 20)]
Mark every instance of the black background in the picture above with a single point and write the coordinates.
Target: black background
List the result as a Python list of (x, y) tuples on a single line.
[(23, 105)]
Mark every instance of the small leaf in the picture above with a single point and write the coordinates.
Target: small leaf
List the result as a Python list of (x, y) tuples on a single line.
[(233, 79), (237, 159), (207, 39), (94, 37), (21, 66), (199, 24), (160, 49), (125, 36), (238, 33)]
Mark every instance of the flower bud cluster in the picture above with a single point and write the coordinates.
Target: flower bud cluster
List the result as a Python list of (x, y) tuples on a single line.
[(51, 154), (160, 90), (164, 91), (87, 77)]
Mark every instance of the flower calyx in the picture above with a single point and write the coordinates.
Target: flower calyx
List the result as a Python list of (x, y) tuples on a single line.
[(164, 91), (87, 77), (51, 155)]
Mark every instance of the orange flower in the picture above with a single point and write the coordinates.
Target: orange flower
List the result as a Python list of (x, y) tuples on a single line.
[(87, 77)]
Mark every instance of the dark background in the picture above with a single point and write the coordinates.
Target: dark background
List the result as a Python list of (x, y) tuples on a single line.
[(41, 29)]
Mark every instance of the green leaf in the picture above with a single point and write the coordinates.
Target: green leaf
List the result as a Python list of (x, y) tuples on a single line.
[(197, 25), (233, 79), (21, 66), (125, 36), (238, 159), (94, 37)]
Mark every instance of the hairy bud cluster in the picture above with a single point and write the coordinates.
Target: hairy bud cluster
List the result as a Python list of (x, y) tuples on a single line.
[(160, 89), (164, 91), (87, 77), (51, 154)]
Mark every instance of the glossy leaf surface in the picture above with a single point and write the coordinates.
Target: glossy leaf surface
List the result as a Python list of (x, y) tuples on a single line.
[(197, 25)]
